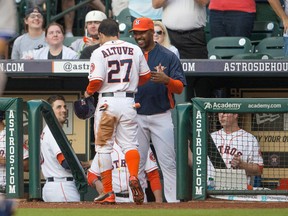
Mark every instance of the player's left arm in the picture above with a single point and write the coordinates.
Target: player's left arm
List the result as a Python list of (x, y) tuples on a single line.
[(173, 85), (2, 160), (143, 79), (62, 161), (155, 183), (92, 87), (254, 165), (171, 74), (94, 181), (251, 169)]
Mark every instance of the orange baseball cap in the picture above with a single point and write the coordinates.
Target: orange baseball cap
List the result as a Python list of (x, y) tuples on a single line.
[(142, 24)]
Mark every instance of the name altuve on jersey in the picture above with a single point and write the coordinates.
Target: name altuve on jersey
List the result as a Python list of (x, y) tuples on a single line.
[(117, 51)]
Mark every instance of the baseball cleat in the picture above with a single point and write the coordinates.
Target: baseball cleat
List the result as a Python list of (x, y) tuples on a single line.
[(105, 198), (138, 195)]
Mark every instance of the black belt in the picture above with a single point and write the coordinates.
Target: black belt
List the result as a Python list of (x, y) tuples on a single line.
[(187, 31), (111, 94), (124, 195), (51, 179)]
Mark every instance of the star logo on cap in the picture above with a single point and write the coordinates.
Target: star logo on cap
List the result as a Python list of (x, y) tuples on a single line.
[(137, 22)]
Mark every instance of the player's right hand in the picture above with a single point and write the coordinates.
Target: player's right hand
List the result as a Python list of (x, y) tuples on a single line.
[(236, 161)]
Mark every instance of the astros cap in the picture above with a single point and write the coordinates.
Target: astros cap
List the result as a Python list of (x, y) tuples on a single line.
[(33, 10), (142, 24)]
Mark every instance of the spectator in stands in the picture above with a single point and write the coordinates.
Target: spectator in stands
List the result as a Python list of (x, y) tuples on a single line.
[(69, 17), (283, 14), (231, 18), (7, 31), (238, 148), (55, 50), (143, 9), (101, 6), (161, 36), (120, 176), (34, 38), (92, 22), (118, 6), (185, 21)]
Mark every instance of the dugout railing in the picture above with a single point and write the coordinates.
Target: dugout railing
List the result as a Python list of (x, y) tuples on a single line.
[(13, 108), (193, 130), (37, 109)]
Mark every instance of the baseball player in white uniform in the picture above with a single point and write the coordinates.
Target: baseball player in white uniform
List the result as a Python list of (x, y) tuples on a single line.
[(120, 176), (60, 185), (238, 148), (116, 69), (3, 153)]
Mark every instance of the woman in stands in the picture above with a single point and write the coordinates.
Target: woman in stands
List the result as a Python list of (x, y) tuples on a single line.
[(161, 36), (54, 35), (34, 38)]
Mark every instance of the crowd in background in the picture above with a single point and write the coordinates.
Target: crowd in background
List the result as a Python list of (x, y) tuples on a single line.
[(184, 21)]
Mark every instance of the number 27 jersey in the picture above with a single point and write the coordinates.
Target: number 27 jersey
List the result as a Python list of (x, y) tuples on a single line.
[(118, 64)]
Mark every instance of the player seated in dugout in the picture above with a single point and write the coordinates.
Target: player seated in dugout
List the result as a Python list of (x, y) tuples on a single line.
[(120, 176), (237, 148)]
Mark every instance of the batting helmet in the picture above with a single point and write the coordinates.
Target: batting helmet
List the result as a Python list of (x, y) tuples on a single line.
[(95, 16), (84, 108)]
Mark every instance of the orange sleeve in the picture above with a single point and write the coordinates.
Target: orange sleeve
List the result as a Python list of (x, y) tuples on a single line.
[(60, 158), (261, 168), (154, 179), (175, 86), (91, 178), (144, 79), (93, 86)]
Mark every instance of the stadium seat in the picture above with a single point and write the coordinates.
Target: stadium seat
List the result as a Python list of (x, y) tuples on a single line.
[(214, 57), (69, 40), (125, 24), (252, 56), (226, 47), (207, 31), (263, 29), (272, 46)]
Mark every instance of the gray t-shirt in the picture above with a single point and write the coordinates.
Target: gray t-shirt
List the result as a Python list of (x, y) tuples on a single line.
[(25, 43)]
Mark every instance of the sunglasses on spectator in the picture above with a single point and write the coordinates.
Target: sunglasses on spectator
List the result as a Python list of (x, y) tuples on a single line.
[(35, 15), (158, 32)]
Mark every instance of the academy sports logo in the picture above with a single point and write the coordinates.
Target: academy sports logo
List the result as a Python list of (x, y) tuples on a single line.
[(222, 106), (207, 105)]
